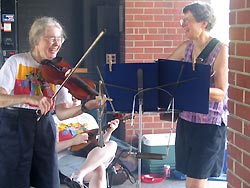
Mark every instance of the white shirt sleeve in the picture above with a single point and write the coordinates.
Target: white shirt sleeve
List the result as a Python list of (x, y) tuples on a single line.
[(8, 75), (63, 96)]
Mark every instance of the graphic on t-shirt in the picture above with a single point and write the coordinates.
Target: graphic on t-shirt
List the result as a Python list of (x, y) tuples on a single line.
[(29, 82)]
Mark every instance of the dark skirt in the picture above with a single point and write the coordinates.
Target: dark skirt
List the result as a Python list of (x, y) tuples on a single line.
[(28, 156), (199, 149)]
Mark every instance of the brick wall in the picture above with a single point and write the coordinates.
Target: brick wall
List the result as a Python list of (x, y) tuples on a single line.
[(152, 29), (239, 94)]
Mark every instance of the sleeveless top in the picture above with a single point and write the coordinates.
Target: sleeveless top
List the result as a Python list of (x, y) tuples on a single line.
[(218, 111)]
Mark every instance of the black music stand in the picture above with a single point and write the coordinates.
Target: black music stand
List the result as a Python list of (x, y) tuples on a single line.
[(162, 81), (155, 85)]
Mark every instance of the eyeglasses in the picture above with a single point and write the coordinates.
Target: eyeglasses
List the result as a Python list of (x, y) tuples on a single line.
[(184, 22), (55, 39)]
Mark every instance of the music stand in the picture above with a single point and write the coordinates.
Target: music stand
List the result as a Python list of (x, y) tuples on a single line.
[(156, 84)]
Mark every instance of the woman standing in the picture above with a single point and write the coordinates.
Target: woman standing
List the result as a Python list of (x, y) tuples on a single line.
[(200, 138), (28, 155)]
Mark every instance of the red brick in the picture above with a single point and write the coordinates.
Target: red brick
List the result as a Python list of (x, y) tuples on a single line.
[(232, 48), (172, 24), (175, 12), (143, 18), (234, 152), (233, 181), (161, 17), (134, 50), (178, 5), (247, 129), (159, 56), (232, 78), (243, 80), (242, 49), (146, 118), (235, 123), (246, 160), (163, 31), (247, 66), (242, 172), (237, 33), (162, 43), (230, 137), (247, 34), (243, 111), (247, 97), (160, 131), (153, 24), (129, 4), (243, 17), (129, 31), (154, 37), (152, 125), (230, 164), (133, 11), (232, 18), (236, 64), (134, 24), (236, 4), (144, 43), (164, 4), (153, 50), (144, 4), (134, 37), (246, 185), (231, 107), (173, 37), (242, 142), (144, 57), (235, 94), (154, 11)]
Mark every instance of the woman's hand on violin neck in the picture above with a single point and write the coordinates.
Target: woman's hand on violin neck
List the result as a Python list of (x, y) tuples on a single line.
[(103, 99), (92, 104), (43, 103), (113, 124)]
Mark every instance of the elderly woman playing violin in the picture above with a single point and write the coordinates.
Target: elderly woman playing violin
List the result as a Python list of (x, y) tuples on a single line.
[(28, 154)]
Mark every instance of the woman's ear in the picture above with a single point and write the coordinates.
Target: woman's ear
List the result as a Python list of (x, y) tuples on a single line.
[(204, 24)]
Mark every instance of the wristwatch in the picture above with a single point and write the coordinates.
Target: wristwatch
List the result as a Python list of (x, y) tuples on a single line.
[(83, 106)]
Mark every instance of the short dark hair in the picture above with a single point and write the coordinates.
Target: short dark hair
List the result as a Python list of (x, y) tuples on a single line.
[(202, 12)]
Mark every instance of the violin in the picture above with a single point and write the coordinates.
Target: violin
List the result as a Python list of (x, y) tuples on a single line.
[(55, 71)]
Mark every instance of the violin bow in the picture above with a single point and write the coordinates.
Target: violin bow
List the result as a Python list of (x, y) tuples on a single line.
[(75, 67)]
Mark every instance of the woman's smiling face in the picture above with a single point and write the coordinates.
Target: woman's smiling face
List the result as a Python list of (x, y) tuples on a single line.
[(50, 43), (191, 27)]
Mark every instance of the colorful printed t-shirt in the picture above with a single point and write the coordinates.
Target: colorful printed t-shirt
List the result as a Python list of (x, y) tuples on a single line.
[(20, 75)]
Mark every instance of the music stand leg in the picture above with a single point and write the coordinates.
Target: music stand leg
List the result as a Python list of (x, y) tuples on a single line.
[(139, 144)]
